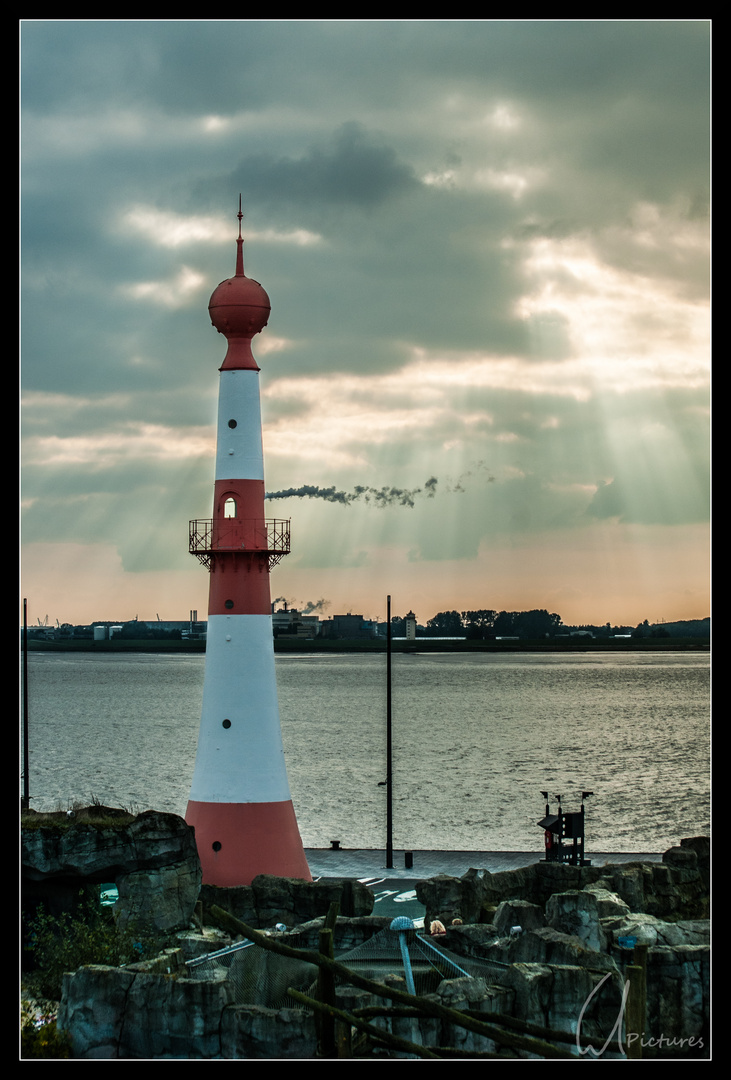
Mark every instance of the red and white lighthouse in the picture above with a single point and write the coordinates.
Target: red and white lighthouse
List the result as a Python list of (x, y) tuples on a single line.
[(240, 803)]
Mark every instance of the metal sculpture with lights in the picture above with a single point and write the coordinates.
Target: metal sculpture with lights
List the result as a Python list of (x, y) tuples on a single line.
[(563, 833)]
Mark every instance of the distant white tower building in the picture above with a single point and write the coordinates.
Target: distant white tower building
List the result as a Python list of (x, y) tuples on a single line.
[(240, 803), (411, 626)]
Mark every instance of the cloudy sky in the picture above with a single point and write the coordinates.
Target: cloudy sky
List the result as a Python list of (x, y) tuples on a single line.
[(486, 368)]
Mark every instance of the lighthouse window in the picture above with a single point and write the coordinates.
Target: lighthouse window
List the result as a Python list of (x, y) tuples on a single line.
[(216, 845), (229, 508), (232, 423), (229, 604), (227, 724)]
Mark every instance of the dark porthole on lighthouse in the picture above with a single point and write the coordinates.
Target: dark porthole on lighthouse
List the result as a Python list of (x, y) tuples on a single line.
[(216, 845), (232, 423), (229, 604), (226, 724)]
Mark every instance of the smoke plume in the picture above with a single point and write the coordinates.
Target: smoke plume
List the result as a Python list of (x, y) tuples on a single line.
[(315, 605), (385, 496), (305, 607)]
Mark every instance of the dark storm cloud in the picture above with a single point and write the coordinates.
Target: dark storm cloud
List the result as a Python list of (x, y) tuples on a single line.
[(350, 168), (603, 103)]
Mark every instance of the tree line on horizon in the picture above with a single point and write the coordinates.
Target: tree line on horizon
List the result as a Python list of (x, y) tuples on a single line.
[(482, 624), (538, 622)]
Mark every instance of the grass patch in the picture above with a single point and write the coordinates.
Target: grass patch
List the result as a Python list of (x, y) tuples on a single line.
[(101, 817)]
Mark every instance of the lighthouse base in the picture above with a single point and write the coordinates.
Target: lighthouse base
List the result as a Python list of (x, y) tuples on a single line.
[(237, 841)]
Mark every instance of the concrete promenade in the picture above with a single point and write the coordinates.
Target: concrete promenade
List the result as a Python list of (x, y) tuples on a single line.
[(371, 863)]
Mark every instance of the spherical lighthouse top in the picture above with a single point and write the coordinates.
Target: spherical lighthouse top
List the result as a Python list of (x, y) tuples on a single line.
[(239, 308)]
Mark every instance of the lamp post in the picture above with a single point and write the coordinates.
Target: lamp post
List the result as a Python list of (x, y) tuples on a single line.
[(389, 771), (25, 800)]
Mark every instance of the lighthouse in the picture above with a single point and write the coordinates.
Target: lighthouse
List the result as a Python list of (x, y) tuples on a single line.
[(240, 803)]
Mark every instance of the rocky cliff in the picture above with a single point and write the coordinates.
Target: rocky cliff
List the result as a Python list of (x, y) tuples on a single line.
[(151, 857)]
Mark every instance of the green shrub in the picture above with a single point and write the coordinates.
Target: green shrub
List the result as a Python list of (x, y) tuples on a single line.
[(89, 936)]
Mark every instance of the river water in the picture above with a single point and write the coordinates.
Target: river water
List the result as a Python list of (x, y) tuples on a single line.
[(476, 737)]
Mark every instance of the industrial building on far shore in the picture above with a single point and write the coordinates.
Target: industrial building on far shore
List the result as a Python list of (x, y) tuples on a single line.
[(287, 622)]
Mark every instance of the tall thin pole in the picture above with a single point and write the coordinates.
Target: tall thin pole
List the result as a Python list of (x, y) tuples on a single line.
[(25, 800), (389, 773)]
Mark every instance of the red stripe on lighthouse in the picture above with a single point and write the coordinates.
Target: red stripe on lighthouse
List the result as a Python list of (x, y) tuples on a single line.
[(237, 841)]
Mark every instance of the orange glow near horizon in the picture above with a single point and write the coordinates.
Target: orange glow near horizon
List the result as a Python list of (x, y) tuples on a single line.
[(80, 583)]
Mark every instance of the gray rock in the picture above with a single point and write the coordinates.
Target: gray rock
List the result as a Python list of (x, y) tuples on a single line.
[(162, 900), (628, 881), (471, 940), (609, 904), (442, 898), (702, 847), (520, 913), (649, 930), (477, 996), (569, 998), (577, 913), (678, 1002), (270, 900), (101, 852), (257, 1033), (152, 858), (547, 945), (684, 857)]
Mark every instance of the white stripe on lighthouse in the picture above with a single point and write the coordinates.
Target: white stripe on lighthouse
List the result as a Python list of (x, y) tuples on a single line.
[(239, 454), (242, 761)]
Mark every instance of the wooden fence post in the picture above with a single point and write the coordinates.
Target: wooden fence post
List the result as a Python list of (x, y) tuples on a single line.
[(326, 994)]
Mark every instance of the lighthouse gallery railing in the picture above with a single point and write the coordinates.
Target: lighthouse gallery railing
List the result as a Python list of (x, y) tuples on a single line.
[(207, 537)]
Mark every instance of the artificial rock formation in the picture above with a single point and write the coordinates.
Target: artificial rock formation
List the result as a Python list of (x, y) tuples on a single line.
[(558, 933), (588, 927), (676, 888), (157, 1009), (270, 900), (152, 858)]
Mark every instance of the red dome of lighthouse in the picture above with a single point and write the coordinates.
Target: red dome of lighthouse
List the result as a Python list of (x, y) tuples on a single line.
[(239, 305), (239, 308)]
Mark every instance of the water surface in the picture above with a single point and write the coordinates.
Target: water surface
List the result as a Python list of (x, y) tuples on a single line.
[(475, 739)]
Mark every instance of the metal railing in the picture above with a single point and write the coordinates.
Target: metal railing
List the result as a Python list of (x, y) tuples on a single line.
[(208, 537)]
